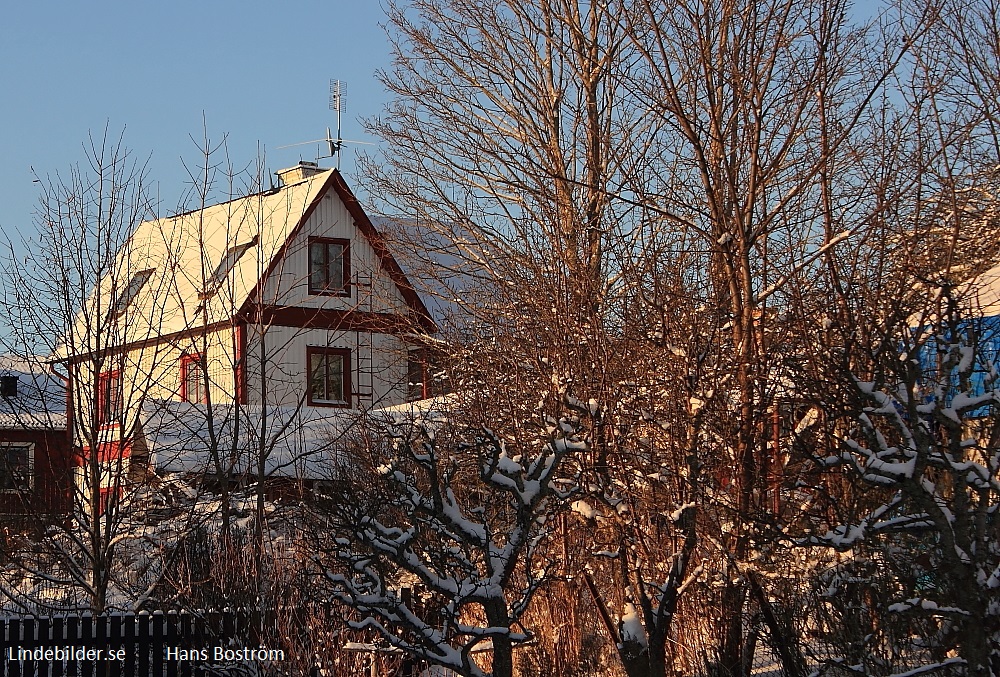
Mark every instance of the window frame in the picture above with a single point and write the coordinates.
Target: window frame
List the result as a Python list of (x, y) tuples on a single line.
[(432, 380), (101, 403), (30, 479), (416, 358), (189, 360), (322, 351), (345, 244)]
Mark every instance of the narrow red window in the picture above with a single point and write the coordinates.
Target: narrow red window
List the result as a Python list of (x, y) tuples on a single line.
[(109, 397), (193, 379)]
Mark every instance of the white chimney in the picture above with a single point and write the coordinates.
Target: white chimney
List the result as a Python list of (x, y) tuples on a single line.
[(299, 172)]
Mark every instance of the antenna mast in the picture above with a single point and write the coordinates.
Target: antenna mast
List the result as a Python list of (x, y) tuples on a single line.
[(338, 96), (338, 103)]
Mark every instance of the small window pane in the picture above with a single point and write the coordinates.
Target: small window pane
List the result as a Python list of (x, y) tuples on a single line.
[(335, 267), (15, 465), (109, 397), (327, 377), (194, 380), (317, 378), (334, 377), (317, 266), (8, 386), (328, 266)]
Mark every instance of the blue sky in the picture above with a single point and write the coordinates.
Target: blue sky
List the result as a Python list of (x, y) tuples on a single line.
[(257, 71)]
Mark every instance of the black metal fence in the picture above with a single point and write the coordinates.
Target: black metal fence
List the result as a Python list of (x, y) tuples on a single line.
[(172, 644)]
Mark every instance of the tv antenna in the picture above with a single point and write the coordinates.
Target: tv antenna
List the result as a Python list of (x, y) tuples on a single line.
[(338, 103), (333, 146)]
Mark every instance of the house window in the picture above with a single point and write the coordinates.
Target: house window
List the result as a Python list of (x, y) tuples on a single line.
[(109, 397), (329, 266), (329, 372), (15, 467), (193, 379), (226, 265), (8, 386), (424, 377), (125, 296), (416, 375)]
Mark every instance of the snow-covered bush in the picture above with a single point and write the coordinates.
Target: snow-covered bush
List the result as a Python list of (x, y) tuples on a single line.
[(916, 516), (458, 515)]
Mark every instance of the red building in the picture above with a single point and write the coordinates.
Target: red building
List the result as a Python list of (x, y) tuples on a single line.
[(35, 472)]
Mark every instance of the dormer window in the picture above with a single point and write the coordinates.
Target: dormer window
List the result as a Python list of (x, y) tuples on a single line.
[(226, 265), (329, 266), (8, 386), (129, 293)]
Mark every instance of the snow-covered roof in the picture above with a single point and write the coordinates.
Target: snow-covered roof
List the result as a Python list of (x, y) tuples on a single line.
[(204, 266), (40, 402), (301, 442), (166, 273), (436, 261)]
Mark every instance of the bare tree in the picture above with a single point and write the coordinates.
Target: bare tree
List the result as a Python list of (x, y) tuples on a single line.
[(700, 184), (600, 170), (764, 171), (510, 139), (57, 315)]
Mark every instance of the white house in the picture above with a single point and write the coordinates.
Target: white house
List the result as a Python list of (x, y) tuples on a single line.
[(286, 301)]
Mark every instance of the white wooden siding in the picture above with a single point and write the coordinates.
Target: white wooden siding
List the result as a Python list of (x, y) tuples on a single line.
[(372, 290), (378, 365)]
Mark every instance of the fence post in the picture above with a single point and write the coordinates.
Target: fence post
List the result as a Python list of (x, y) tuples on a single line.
[(131, 644), (57, 631), (72, 637), (172, 619), (43, 630), (116, 640), (157, 643), (87, 637), (15, 640), (143, 632)]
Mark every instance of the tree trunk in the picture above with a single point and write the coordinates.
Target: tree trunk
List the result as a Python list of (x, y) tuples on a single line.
[(503, 648)]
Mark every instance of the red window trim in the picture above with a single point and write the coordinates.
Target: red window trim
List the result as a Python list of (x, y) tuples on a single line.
[(187, 359), (241, 368), (103, 392), (417, 356), (346, 244), (115, 450), (348, 391)]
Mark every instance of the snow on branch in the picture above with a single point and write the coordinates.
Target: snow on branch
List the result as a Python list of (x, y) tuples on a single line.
[(458, 516), (922, 448)]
